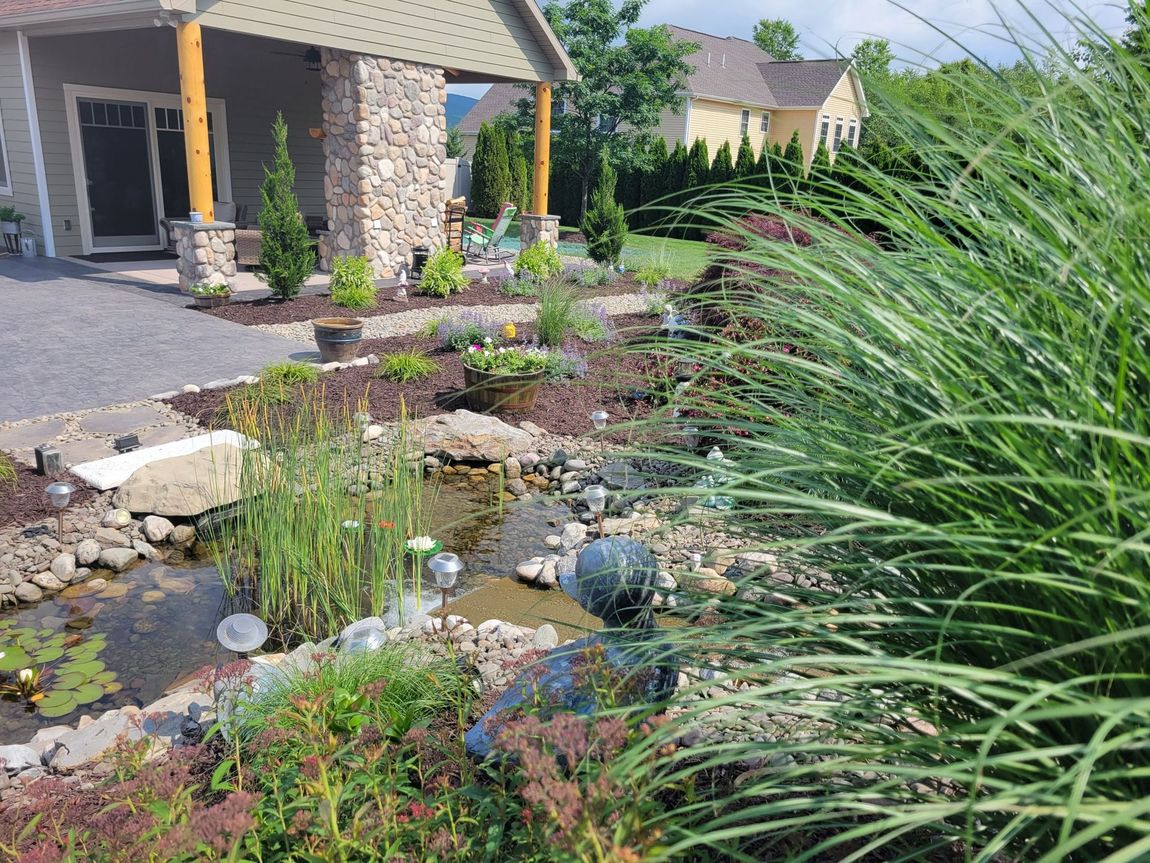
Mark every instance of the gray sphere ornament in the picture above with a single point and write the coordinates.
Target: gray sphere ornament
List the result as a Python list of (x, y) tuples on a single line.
[(614, 579)]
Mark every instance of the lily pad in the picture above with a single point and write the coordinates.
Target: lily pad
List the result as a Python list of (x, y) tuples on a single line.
[(48, 654), (69, 680), (57, 699), (88, 693), (58, 708), (87, 668), (13, 658)]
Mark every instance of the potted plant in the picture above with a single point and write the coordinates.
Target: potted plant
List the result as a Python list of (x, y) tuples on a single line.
[(209, 295), (10, 227), (503, 378)]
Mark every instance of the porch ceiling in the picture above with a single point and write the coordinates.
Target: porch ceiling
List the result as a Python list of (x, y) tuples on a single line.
[(475, 40)]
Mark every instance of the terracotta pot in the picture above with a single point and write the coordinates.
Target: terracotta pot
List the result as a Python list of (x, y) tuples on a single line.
[(338, 338), (493, 391)]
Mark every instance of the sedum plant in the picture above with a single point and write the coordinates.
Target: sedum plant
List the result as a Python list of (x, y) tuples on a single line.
[(352, 282)]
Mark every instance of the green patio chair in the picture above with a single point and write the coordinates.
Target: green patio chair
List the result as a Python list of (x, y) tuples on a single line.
[(483, 242)]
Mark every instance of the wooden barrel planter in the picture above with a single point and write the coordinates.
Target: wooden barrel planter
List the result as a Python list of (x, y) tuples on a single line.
[(337, 338), (211, 301), (492, 391)]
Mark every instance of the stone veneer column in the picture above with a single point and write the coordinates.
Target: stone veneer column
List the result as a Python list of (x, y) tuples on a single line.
[(385, 126), (534, 228), (207, 252)]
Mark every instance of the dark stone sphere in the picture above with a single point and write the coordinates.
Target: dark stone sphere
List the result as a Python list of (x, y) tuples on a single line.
[(614, 579)]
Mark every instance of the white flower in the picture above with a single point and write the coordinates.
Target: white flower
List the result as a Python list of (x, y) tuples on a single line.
[(487, 340), (421, 543), (24, 675)]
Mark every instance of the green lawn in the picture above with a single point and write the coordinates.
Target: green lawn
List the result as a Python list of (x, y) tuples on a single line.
[(684, 258)]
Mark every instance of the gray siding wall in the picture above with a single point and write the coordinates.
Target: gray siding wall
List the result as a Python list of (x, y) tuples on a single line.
[(14, 116), (488, 37), (255, 77)]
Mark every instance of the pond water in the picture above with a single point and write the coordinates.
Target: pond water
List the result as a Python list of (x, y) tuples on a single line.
[(160, 620)]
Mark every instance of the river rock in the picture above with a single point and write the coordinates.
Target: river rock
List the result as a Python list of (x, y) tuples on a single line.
[(87, 552), (558, 458), (572, 535), (64, 567), (517, 486), (529, 460), (86, 744), (118, 559), (512, 469), (545, 637), (619, 475), (553, 541), (153, 596), (157, 528), (146, 550), (189, 484), (47, 581), (467, 436), (28, 592), (627, 526), (16, 758), (84, 588), (109, 537), (529, 570), (183, 536), (549, 575), (570, 487), (575, 465)]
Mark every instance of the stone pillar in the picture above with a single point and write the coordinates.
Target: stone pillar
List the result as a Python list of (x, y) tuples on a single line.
[(385, 128), (207, 252), (533, 228)]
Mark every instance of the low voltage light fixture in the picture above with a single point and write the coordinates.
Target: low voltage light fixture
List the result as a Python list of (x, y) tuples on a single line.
[(126, 443), (599, 419), (242, 633), (60, 493), (446, 567), (595, 496), (312, 59), (49, 462)]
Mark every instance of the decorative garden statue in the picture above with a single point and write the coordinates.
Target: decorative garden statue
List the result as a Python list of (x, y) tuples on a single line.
[(614, 580)]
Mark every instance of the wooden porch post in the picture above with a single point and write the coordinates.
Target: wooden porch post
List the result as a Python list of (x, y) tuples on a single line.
[(194, 99), (542, 147)]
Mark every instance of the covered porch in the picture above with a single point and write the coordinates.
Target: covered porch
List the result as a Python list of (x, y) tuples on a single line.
[(143, 123)]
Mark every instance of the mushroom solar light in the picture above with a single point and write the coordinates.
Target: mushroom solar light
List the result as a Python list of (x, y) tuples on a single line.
[(242, 633), (60, 493)]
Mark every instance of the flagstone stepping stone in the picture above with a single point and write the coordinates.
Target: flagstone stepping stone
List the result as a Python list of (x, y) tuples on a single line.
[(84, 588), (31, 435), (121, 421), (163, 434), (110, 472), (76, 451)]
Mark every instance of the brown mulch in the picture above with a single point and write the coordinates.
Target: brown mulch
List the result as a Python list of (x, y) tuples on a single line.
[(305, 308), (26, 502), (562, 408)]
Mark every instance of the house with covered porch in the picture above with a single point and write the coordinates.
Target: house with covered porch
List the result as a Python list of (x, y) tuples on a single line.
[(119, 118)]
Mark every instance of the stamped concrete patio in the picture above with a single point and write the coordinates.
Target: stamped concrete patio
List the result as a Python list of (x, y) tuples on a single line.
[(73, 337)]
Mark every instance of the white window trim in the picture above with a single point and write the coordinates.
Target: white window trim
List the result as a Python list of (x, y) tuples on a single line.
[(837, 133), (765, 123), (5, 189), (153, 101), (852, 132), (825, 137), (744, 122)]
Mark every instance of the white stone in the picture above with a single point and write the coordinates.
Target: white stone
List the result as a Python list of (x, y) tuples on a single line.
[(157, 528), (111, 472), (570, 487), (359, 361), (189, 388), (86, 744), (118, 559), (17, 758), (529, 570), (47, 581), (191, 483), (545, 637), (64, 567), (87, 552), (109, 537), (552, 541), (372, 432), (573, 534)]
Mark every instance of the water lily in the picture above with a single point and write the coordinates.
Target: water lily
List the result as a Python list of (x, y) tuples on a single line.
[(421, 543), (25, 676), (387, 525)]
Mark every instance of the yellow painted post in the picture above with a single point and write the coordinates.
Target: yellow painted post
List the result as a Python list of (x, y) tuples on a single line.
[(542, 147), (194, 99)]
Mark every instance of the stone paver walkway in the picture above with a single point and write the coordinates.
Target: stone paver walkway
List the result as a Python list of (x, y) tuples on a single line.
[(71, 340)]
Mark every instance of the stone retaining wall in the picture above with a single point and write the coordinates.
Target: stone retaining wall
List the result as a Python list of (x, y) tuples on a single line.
[(385, 132), (533, 228)]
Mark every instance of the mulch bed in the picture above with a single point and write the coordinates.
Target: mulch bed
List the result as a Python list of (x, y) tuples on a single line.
[(304, 308), (562, 408), (26, 502)]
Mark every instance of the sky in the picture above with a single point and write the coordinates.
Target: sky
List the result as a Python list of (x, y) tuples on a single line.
[(827, 25)]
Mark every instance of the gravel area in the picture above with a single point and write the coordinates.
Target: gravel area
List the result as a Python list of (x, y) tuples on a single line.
[(411, 321)]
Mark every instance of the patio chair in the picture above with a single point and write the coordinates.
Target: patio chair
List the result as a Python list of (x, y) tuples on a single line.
[(482, 242)]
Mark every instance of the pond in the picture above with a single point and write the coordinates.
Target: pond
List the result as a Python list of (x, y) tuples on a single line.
[(160, 620)]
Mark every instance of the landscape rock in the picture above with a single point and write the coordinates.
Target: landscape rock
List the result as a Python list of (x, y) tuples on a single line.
[(512, 469), (189, 484), (570, 487), (146, 550), (44, 740), (84, 588), (528, 460), (629, 525), (109, 537), (63, 566), (183, 536), (516, 486), (157, 528), (467, 436), (529, 570), (28, 592), (575, 465), (558, 458), (16, 758), (553, 541), (572, 535), (372, 432), (47, 581), (545, 637), (118, 559), (89, 743), (87, 552)]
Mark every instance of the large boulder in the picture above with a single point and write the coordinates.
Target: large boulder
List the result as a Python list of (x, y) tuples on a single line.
[(467, 436), (187, 485)]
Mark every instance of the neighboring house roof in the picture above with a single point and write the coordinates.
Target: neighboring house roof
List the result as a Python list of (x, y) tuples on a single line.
[(726, 68)]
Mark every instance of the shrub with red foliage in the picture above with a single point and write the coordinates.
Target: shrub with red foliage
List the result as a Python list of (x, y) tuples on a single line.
[(761, 225)]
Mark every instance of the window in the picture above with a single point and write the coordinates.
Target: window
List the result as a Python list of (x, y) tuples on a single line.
[(5, 181), (607, 124), (852, 132), (744, 122), (765, 122), (824, 130), (838, 134), (560, 107)]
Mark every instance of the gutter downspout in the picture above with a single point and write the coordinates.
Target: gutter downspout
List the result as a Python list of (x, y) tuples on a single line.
[(37, 148), (687, 123)]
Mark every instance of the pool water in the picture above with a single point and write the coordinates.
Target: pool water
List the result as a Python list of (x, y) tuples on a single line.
[(160, 620)]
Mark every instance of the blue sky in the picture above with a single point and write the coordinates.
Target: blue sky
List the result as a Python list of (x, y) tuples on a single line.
[(829, 24)]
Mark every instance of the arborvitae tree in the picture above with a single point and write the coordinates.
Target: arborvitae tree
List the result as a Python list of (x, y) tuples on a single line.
[(698, 166), (520, 194), (745, 163), (653, 182), (763, 167), (793, 163), (723, 168), (490, 174), (287, 256), (675, 177), (818, 178), (454, 143), (605, 224)]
